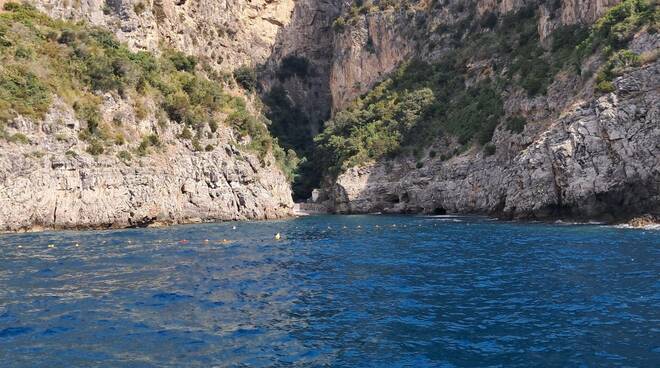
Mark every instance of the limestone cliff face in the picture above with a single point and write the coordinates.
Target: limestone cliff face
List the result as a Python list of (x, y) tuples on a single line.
[(366, 54), (226, 33), (599, 159), (48, 180), (53, 183), (373, 44), (585, 156)]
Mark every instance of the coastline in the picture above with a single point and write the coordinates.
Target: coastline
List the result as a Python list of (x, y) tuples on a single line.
[(644, 222)]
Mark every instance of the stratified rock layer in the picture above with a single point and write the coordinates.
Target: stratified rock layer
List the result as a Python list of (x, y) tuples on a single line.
[(52, 182)]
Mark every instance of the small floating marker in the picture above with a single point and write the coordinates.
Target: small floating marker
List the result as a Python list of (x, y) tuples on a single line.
[(206, 240), (20, 246), (329, 227), (393, 225), (51, 245), (278, 236), (343, 227), (129, 241), (233, 227), (225, 241), (183, 241), (77, 245), (359, 226)]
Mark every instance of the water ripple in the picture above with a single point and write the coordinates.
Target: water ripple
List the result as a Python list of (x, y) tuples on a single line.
[(350, 291)]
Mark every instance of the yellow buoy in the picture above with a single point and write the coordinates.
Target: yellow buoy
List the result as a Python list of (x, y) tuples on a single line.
[(233, 227), (278, 236), (77, 245), (51, 245), (20, 246)]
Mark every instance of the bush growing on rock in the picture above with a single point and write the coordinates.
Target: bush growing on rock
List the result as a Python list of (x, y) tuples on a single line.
[(469, 107), (293, 65), (79, 62), (246, 77)]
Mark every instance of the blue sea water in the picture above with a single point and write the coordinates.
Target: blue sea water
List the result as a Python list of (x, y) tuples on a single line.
[(336, 291)]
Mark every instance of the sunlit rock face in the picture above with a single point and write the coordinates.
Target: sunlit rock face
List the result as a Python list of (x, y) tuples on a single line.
[(597, 159), (581, 157), (53, 183), (226, 33)]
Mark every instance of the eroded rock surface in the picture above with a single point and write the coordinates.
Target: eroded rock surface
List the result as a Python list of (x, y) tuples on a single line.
[(600, 159), (52, 182)]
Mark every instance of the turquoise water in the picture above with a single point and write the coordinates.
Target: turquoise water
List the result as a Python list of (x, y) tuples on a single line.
[(344, 291)]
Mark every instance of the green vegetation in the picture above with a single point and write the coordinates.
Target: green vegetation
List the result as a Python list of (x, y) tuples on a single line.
[(611, 34), (362, 7), (41, 57), (125, 156), (148, 141), (293, 65), (407, 112), (614, 29), (489, 149), (246, 77), (421, 101), (516, 124)]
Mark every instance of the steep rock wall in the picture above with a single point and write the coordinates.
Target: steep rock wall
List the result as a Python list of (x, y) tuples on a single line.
[(51, 182), (598, 160), (375, 43), (226, 33)]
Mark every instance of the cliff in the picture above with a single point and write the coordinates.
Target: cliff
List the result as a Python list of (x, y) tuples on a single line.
[(49, 180), (226, 34), (521, 108), (599, 160), (95, 135), (584, 148)]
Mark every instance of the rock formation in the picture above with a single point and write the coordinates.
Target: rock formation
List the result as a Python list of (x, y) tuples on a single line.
[(585, 155), (599, 160), (226, 33), (53, 183)]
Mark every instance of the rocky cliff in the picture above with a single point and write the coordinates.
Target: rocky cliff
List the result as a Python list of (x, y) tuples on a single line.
[(94, 135), (49, 180), (477, 106), (226, 33), (599, 160), (582, 154)]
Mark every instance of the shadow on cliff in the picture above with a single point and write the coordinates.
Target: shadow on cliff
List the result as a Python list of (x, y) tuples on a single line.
[(295, 85)]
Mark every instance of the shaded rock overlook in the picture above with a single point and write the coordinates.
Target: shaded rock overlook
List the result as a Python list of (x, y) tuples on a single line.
[(521, 108)]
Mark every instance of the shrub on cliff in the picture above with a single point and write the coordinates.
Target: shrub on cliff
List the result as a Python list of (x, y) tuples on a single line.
[(246, 77), (42, 58), (293, 65)]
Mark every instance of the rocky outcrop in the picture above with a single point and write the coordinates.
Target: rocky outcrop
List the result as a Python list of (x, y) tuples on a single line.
[(598, 160), (49, 181), (645, 221), (374, 44), (226, 34), (364, 56)]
